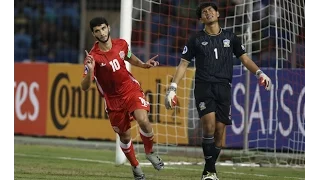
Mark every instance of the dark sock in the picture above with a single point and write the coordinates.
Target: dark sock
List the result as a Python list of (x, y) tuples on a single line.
[(208, 148), (217, 152)]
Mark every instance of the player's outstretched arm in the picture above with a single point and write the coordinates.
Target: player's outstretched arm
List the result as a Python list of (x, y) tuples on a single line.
[(171, 99), (135, 61), (182, 67), (264, 80)]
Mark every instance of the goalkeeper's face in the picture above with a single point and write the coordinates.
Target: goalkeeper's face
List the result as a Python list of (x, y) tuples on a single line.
[(209, 15), (101, 33)]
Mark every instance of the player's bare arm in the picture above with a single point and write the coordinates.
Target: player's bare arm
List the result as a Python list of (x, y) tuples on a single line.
[(171, 99), (248, 63), (264, 80), (89, 68), (86, 81), (182, 67), (135, 61)]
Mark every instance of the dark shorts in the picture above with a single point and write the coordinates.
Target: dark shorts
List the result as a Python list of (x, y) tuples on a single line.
[(213, 97)]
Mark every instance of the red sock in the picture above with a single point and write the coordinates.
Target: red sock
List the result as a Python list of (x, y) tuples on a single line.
[(147, 139), (128, 150)]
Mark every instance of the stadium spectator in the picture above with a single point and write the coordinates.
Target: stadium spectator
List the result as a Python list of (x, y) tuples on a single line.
[(46, 31)]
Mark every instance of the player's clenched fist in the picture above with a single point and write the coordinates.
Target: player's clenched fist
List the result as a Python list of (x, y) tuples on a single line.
[(264, 80), (171, 98), (89, 61)]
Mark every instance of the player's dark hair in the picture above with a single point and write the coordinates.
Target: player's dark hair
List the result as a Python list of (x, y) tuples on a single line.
[(97, 21), (204, 5)]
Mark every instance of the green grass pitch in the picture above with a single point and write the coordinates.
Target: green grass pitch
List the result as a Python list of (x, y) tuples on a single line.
[(33, 162)]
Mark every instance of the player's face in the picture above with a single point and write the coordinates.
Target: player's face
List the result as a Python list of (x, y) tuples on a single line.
[(209, 15), (102, 33)]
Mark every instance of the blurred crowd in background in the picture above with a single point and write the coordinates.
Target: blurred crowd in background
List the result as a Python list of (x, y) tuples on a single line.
[(46, 30), (49, 30)]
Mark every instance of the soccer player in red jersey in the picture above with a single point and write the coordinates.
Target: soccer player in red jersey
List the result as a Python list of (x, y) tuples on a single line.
[(123, 95)]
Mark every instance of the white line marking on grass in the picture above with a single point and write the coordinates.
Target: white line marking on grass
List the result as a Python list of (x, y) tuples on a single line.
[(64, 158), (259, 175), (142, 164)]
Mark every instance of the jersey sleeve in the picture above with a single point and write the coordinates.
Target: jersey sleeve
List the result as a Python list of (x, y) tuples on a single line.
[(127, 50), (188, 52), (238, 47)]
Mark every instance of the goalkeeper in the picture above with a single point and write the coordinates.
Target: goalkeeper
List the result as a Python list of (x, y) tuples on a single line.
[(213, 49)]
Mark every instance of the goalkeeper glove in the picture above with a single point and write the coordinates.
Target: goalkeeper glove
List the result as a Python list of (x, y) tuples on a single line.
[(264, 80), (171, 98)]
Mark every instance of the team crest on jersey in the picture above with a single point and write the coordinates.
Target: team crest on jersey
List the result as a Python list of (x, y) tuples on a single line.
[(226, 43), (122, 54)]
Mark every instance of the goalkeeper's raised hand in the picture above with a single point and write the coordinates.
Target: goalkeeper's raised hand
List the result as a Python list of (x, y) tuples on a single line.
[(264, 80), (171, 98)]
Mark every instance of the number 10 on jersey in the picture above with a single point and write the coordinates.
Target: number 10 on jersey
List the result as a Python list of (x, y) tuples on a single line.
[(115, 65)]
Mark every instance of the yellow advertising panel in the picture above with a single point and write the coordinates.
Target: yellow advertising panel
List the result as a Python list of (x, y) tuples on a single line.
[(170, 126), (81, 114), (71, 111)]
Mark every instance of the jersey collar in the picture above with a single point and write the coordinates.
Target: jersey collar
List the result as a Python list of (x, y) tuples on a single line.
[(212, 34)]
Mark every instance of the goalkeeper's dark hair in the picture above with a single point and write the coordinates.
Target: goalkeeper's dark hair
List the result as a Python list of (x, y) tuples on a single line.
[(97, 21), (204, 5)]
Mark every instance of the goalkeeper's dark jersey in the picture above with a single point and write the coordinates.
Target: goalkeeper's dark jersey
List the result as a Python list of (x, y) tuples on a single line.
[(213, 55)]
